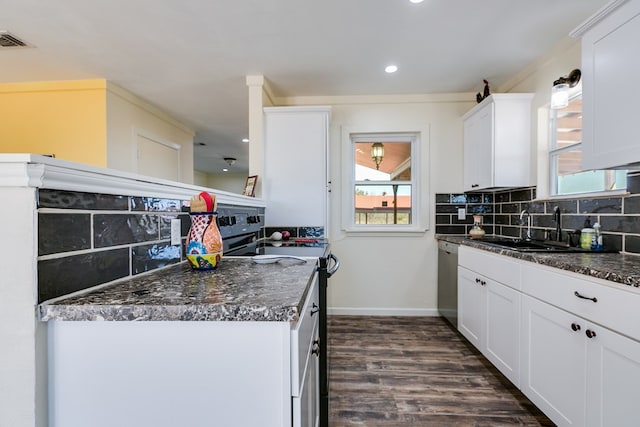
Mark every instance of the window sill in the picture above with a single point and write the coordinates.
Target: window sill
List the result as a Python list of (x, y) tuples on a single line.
[(380, 231), (593, 194)]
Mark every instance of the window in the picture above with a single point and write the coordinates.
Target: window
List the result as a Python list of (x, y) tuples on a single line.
[(383, 172), (565, 156)]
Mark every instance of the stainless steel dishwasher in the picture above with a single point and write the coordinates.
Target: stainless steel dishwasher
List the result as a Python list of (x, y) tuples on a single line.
[(448, 281)]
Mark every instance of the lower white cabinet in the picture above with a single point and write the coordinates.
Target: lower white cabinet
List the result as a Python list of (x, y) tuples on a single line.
[(185, 373), (554, 361), (306, 406), (613, 375), (578, 373), (470, 308), (502, 331), (488, 316), (571, 343), (489, 311)]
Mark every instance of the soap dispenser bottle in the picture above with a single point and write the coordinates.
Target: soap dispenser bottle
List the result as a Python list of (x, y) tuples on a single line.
[(586, 235), (596, 242)]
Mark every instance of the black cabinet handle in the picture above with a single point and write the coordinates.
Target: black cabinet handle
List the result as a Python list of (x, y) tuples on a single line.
[(316, 347), (590, 333), (594, 299), (575, 327), (477, 280), (475, 185), (314, 309)]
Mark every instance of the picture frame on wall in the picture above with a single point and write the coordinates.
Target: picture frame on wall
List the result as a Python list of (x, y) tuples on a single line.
[(250, 186)]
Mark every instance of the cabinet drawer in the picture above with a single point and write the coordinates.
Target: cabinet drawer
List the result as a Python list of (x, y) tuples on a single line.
[(302, 337), (614, 307), (498, 267)]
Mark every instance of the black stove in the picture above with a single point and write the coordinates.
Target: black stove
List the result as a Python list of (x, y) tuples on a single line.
[(241, 228)]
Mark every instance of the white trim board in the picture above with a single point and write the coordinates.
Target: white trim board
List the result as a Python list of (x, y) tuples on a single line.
[(357, 311)]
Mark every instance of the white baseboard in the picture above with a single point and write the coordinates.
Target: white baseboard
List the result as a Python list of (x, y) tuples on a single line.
[(356, 311)]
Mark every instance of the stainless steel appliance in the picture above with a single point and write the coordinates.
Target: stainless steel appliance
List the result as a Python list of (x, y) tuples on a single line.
[(448, 281), (241, 229)]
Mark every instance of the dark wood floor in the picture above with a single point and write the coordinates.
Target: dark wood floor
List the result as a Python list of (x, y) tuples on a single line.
[(416, 371)]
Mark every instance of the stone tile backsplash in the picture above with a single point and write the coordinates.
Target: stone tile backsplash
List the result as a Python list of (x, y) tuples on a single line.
[(87, 239), (619, 216)]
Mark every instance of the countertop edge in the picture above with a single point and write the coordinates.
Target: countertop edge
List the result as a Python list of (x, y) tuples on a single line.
[(623, 264), (103, 303)]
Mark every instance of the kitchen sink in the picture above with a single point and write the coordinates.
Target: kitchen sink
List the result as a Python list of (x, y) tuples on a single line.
[(522, 245)]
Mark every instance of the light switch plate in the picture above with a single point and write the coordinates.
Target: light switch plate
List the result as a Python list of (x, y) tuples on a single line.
[(175, 232), (462, 213)]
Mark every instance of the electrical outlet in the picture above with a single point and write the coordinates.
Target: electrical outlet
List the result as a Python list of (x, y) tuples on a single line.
[(175, 232), (462, 214)]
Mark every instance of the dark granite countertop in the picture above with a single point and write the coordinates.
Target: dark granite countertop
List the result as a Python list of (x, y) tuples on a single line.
[(615, 267), (238, 289)]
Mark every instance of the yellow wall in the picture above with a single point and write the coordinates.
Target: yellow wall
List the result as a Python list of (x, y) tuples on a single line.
[(67, 119)]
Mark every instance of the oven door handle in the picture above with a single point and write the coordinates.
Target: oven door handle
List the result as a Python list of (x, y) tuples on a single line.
[(336, 265)]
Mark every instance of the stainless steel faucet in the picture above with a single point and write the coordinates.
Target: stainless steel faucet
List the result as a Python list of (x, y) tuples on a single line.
[(522, 214), (558, 221)]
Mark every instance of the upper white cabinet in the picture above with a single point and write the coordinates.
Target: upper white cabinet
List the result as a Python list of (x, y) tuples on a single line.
[(497, 135), (610, 67), (295, 185)]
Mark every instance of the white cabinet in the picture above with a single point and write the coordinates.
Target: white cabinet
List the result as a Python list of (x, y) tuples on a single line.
[(554, 360), (610, 96), (497, 134), (489, 311), (470, 307), (295, 184), (570, 342), (575, 369), (185, 373)]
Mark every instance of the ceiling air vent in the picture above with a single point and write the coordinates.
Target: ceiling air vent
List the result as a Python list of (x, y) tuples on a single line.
[(9, 40)]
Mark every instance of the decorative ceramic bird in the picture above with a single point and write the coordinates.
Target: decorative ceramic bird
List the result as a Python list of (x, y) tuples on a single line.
[(480, 98)]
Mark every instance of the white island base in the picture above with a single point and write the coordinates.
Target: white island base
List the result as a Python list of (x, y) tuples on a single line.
[(185, 373), (105, 374)]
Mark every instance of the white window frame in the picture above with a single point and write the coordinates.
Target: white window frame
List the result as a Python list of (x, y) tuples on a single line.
[(419, 185), (554, 152)]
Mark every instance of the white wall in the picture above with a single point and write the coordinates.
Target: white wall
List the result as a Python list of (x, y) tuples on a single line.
[(538, 78), (23, 385), (392, 274), (231, 182), (128, 114)]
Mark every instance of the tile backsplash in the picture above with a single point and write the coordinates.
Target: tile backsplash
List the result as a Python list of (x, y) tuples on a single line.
[(619, 216), (86, 239)]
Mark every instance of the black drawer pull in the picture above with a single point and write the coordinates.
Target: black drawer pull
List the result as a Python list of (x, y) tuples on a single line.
[(594, 299), (590, 333), (575, 327), (316, 347), (314, 309)]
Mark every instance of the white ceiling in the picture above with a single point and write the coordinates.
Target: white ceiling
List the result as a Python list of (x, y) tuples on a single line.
[(190, 57)]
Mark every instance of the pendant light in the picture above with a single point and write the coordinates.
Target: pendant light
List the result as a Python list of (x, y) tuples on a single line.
[(377, 153), (560, 89)]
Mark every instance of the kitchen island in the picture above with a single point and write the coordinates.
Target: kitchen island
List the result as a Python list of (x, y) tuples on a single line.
[(230, 346)]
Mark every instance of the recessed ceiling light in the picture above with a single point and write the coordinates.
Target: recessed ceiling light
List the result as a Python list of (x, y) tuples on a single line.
[(245, 140), (391, 69), (416, 1), (225, 170)]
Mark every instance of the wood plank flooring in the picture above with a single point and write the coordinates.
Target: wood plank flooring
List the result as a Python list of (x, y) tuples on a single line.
[(416, 371)]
